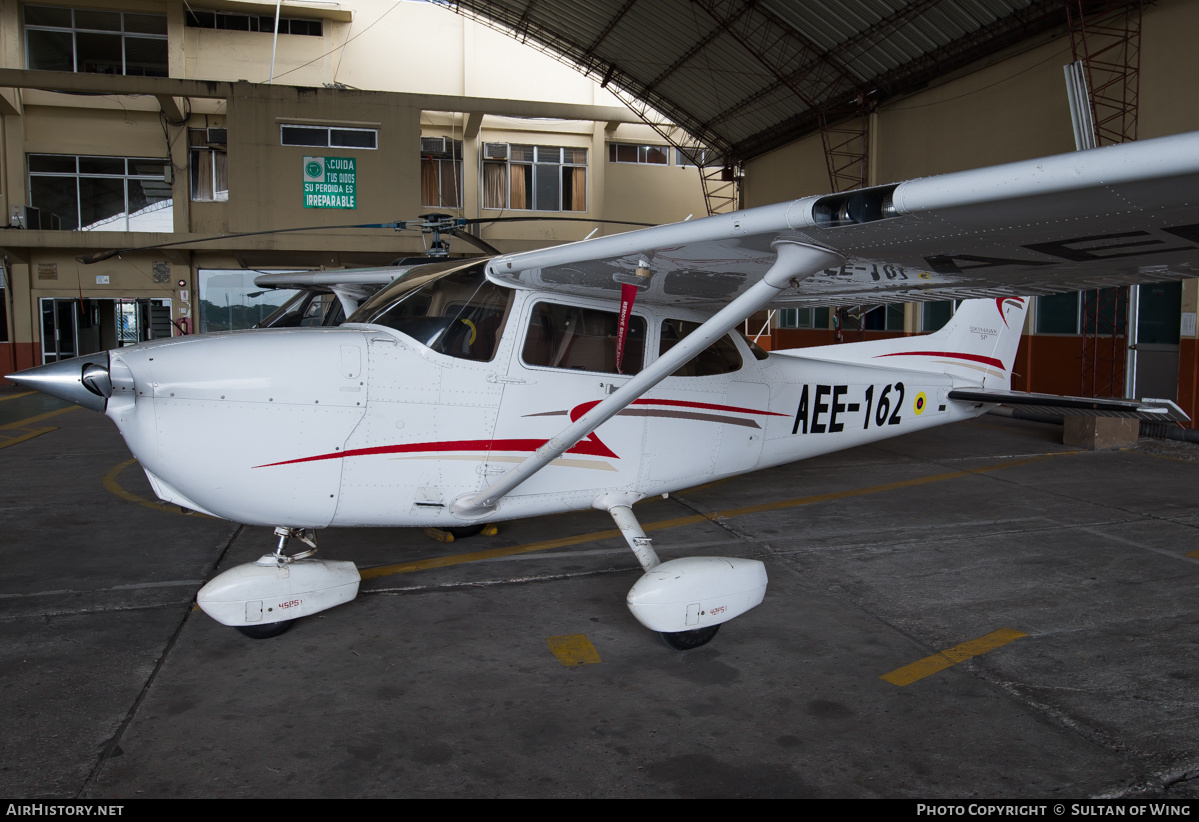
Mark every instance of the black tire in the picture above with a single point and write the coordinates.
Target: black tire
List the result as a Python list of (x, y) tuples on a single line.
[(466, 530), (688, 640), (271, 629)]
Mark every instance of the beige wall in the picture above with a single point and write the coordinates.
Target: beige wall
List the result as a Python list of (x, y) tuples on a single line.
[(796, 170), (388, 46), (266, 179), (53, 130), (382, 45), (1009, 110), (1169, 69)]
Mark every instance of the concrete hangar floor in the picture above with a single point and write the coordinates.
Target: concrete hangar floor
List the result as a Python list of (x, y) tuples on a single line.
[(972, 611)]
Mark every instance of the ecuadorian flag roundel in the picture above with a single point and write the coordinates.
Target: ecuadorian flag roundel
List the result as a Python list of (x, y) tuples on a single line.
[(918, 405)]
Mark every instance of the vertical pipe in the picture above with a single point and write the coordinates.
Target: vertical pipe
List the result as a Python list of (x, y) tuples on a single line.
[(275, 40), (1134, 315)]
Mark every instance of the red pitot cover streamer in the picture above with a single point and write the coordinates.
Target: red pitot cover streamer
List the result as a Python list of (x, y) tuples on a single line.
[(628, 293)]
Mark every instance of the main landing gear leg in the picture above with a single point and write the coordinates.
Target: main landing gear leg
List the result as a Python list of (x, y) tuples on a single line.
[(684, 601), (643, 549)]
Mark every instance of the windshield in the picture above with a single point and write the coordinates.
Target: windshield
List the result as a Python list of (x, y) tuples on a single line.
[(451, 307), (306, 309)]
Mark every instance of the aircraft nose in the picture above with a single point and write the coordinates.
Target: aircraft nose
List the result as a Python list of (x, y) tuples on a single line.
[(82, 380)]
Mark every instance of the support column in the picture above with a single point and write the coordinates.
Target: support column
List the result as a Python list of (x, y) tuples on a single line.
[(1188, 353)]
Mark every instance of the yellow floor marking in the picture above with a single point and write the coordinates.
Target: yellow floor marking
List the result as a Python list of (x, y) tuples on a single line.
[(694, 488), (959, 653), (1158, 456), (458, 559), (38, 418), (114, 487), (572, 650), (14, 396), (596, 536), (1193, 554), (28, 435)]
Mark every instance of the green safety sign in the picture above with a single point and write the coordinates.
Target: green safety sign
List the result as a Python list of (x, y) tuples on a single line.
[(330, 182)]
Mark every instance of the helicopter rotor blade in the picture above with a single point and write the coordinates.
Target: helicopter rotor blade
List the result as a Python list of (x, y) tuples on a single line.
[(101, 256), (479, 220), (426, 223), (482, 245)]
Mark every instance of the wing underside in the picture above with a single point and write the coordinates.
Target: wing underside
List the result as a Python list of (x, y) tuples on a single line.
[(1105, 217)]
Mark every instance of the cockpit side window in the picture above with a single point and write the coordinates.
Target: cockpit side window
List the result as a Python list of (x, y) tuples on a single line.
[(721, 357), (461, 314), (582, 339)]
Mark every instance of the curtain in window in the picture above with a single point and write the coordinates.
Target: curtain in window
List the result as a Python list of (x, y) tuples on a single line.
[(430, 190), (201, 171), (495, 180), (519, 191), (578, 198), (450, 176), (220, 175)]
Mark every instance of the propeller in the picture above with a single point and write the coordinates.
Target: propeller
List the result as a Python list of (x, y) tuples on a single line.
[(432, 223)]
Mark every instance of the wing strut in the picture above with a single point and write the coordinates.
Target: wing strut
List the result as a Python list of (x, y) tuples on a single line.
[(795, 262)]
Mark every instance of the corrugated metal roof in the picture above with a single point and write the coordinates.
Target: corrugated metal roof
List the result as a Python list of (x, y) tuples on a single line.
[(745, 76)]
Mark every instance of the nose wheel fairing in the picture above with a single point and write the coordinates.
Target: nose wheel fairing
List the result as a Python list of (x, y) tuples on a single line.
[(261, 599)]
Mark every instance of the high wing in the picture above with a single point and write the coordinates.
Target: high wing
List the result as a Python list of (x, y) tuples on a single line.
[(1109, 216)]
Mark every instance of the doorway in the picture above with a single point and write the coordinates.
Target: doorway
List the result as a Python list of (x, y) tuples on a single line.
[(74, 327), (1155, 311)]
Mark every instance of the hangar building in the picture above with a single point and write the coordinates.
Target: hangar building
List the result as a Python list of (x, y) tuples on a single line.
[(153, 122)]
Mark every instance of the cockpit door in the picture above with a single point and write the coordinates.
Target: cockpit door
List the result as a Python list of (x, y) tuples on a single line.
[(564, 362)]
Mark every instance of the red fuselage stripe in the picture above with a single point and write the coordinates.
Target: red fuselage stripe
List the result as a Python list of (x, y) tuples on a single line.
[(709, 407), (951, 355), (588, 446)]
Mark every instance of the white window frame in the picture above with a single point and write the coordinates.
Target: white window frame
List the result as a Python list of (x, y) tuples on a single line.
[(76, 30), (681, 161), (77, 175), (255, 23), (536, 164), (791, 318), (453, 158), (219, 195), (642, 154)]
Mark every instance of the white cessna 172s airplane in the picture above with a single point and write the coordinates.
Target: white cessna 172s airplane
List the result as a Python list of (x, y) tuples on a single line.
[(598, 373)]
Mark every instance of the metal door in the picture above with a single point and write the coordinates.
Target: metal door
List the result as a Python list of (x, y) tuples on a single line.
[(1156, 314), (60, 329)]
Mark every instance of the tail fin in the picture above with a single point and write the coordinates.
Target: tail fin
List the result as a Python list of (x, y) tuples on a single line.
[(978, 344)]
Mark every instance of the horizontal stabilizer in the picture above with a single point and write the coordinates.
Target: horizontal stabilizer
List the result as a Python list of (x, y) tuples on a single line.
[(1147, 409)]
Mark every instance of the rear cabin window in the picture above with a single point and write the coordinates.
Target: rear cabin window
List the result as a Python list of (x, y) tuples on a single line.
[(721, 357), (582, 339)]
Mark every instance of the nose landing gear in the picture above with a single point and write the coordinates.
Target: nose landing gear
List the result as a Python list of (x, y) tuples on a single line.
[(263, 599)]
